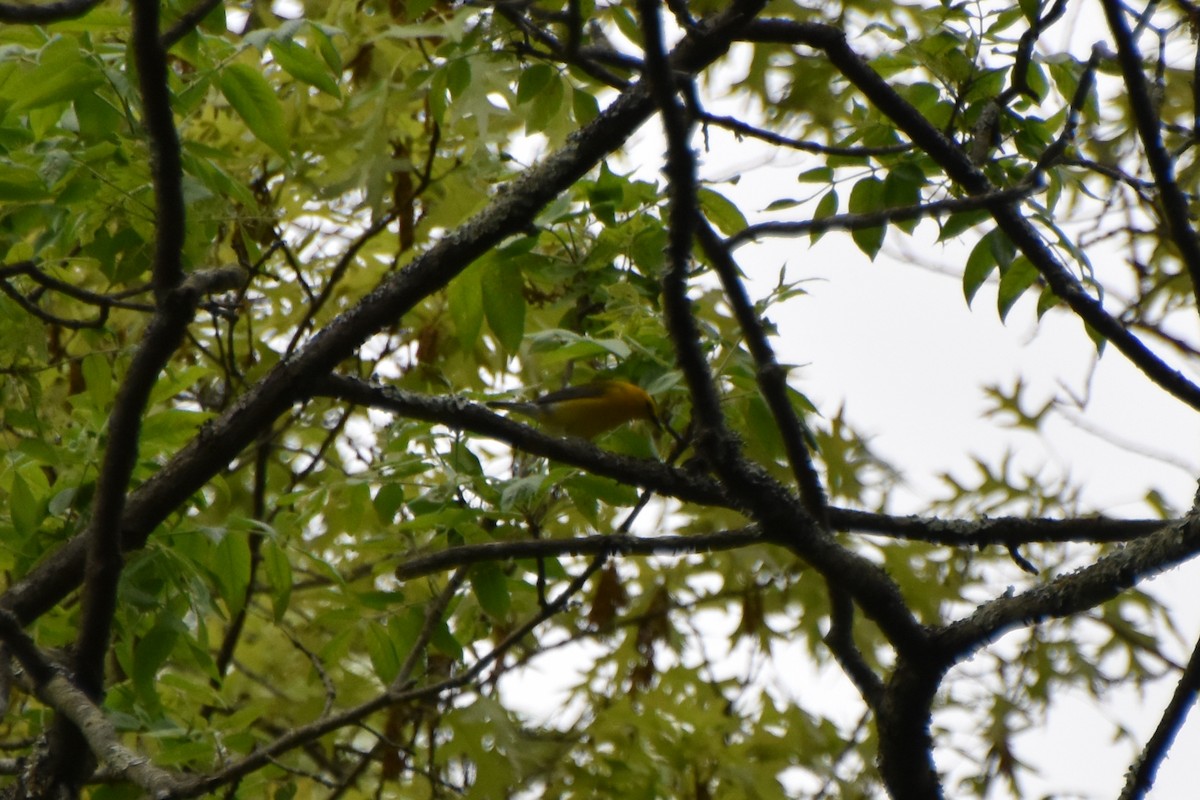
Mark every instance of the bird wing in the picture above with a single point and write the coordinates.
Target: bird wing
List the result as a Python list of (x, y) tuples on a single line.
[(582, 392)]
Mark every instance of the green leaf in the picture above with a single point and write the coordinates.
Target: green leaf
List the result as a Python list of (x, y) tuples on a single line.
[(627, 24), (458, 77), (20, 184), (329, 53), (816, 175), (491, 589), (444, 640), (278, 571), (783, 204), (1035, 76), (902, 188), (256, 103), (25, 508), (388, 501), (382, 651), (149, 654), (980, 264), (868, 195), (56, 83), (959, 222), (437, 96), (545, 106), (231, 568), (98, 377), (648, 250), (217, 181), (521, 493), (584, 105), (724, 215), (827, 206), (504, 303), (1004, 20), (1046, 301), (304, 66), (1019, 276), (465, 299), (533, 81)]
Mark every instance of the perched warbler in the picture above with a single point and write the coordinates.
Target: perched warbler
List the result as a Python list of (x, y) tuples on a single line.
[(587, 410)]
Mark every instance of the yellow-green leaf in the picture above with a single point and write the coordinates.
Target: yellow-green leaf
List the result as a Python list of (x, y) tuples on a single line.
[(256, 103)]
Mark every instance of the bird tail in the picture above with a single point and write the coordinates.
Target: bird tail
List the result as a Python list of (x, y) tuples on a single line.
[(528, 409)]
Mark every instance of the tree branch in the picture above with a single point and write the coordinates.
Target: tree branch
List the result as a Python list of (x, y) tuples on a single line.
[(433, 615), (766, 500), (1005, 531), (610, 545), (187, 22), (771, 377), (713, 440), (1020, 70), (104, 542), (1080, 590), (873, 219), (959, 168), (33, 309), (458, 413), (31, 270), (740, 128), (54, 689), (166, 164), (1140, 777)]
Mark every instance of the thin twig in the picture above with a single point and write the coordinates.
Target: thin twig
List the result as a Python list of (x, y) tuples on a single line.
[(873, 219), (187, 22)]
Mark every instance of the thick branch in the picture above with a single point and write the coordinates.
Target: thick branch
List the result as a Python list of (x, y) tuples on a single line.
[(166, 331), (54, 689), (1080, 590), (104, 542), (166, 164), (1006, 531), (714, 439)]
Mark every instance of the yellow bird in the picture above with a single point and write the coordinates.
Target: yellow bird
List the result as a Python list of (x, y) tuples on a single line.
[(587, 410)]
